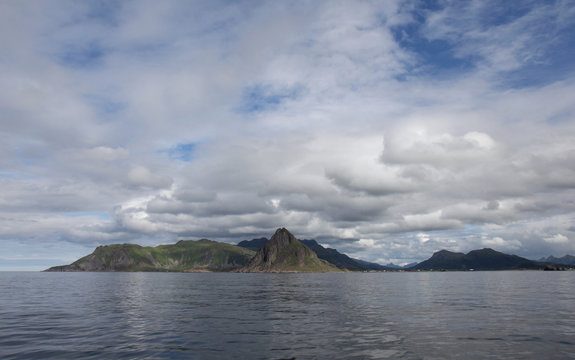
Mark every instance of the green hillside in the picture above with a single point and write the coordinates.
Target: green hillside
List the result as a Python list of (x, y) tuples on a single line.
[(185, 255)]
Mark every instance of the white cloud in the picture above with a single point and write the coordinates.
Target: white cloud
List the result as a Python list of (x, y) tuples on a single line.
[(557, 239), (501, 244), (423, 238), (417, 145), (324, 117)]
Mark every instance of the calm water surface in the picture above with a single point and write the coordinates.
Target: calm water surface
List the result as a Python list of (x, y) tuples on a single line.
[(460, 315)]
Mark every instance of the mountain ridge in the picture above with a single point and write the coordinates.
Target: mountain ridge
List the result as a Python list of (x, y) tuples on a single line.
[(254, 244), (481, 259), (185, 255), (564, 260), (285, 254)]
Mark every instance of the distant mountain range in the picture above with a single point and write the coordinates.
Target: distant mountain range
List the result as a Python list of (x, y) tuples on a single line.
[(399, 267), (484, 259), (284, 253), (568, 260)]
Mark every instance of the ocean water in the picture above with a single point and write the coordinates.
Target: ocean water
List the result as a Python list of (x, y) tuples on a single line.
[(453, 315)]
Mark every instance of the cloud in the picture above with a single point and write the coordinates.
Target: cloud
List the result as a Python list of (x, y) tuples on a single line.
[(499, 243), (388, 130), (140, 176), (557, 239), (417, 146), (103, 153)]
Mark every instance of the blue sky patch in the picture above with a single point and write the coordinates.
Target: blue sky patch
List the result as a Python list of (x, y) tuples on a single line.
[(261, 97), (435, 55), (182, 152), (82, 55), (558, 62)]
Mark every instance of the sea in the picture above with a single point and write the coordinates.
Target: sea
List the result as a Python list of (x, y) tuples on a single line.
[(412, 315)]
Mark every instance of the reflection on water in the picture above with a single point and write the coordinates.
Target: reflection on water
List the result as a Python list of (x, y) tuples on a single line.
[(270, 316)]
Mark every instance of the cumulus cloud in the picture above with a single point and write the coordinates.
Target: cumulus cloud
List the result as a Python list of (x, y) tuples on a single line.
[(418, 146), (387, 130), (557, 239)]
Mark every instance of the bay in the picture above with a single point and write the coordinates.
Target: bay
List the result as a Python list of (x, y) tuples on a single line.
[(452, 315)]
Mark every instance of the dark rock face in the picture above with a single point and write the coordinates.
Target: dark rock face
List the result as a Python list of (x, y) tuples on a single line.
[(284, 253)]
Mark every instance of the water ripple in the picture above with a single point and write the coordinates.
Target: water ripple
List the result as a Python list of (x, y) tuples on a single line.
[(496, 315)]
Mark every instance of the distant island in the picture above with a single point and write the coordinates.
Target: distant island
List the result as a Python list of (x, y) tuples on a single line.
[(284, 253)]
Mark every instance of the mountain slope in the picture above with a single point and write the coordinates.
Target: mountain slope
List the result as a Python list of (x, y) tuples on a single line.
[(484, 259), (340, 260), (185, 255), (284, 253), (254, 244)]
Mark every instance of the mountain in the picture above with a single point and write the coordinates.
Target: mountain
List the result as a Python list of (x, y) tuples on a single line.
[(284, 253), (332, 256), (399, 267), (484, 259), (564, 260), (254, 244), (340, 260), (185, 255)]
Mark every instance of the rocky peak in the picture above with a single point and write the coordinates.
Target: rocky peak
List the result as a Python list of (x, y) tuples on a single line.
[(280, 240), (283, 252)]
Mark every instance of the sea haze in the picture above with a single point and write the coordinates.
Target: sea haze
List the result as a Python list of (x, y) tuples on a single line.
[(459, 315)]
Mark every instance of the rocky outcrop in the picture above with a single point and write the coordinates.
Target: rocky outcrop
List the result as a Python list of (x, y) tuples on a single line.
[(284, 253)]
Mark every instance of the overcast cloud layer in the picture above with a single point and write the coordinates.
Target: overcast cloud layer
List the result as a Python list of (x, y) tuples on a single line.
[(386, 129)]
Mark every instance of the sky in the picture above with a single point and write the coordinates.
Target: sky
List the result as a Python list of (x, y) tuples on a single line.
[(385, 129)]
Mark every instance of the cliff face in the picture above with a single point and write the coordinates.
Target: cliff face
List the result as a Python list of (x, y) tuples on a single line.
[(284, 253), (200, 255)]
